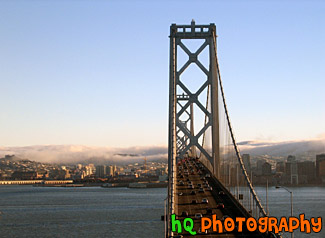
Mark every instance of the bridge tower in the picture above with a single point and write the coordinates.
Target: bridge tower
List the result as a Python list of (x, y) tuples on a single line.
[(185, 140), (182, 139)]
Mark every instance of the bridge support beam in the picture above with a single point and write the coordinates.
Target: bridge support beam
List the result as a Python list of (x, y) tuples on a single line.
[(182, 99), (171, 135), (182, 139), (214, 108)]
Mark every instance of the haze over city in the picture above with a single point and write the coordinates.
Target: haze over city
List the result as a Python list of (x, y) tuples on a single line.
[(81, 154)]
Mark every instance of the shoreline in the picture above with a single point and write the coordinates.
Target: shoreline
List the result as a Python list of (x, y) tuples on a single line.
[(146, 184)]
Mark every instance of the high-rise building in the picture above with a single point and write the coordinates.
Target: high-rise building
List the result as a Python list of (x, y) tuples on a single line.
[(101, 171), (280, 166), (89, 169), (266, 169), (306, 172), (320, 167), (247, 162), (319, 159), (111, 170), (259, 165), (292, 169), (114, 170)]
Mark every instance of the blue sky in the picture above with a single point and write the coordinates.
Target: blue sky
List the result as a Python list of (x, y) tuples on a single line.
[(96, 72)]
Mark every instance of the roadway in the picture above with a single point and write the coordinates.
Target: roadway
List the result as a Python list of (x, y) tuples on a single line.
[(191, 172)]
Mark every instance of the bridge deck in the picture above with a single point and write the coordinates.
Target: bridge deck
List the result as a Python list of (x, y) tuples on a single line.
[(185, 198)]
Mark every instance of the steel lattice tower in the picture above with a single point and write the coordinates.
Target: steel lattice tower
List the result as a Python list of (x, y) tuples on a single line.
[(181, 139)]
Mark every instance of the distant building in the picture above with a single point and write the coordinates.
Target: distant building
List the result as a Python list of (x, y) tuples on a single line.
[(59, 174), (291, 169), (247, 162), (42, 174), (306, 172), (89, 169), (111, 171), (280, 167), (114, 170), (234, 176), (101, 171), (19, 175), (259, 165), (319, 159), (160, 171), (320, 168), (266, 169)]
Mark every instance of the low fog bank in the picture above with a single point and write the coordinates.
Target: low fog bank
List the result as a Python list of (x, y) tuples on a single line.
[(305, 148), (72, 154)]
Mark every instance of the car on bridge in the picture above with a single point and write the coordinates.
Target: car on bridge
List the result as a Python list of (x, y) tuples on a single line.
[(194, 201), (198, 215), (205, 200), (220, 206), (184, 214), (209, 211)]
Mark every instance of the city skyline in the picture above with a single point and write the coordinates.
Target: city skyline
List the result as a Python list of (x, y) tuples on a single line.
[(97, 75)]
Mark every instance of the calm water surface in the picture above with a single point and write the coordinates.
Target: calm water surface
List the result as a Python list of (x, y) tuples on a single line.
[(81, 212), (117, 212)]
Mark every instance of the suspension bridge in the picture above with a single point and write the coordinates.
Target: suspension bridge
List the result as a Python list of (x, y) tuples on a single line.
[(207, 175)]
